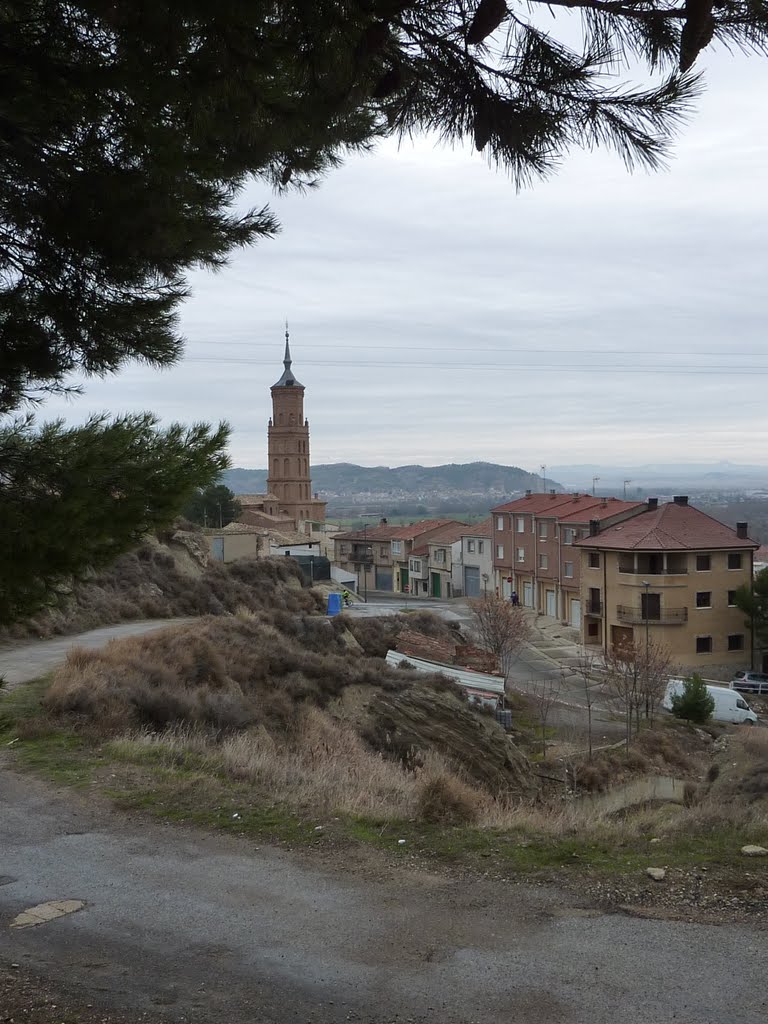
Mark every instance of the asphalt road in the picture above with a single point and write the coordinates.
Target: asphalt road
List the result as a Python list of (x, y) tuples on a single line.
[(214, 929), (22, 662)]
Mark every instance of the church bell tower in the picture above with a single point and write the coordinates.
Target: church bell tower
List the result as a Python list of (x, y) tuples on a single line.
[(288, 451)]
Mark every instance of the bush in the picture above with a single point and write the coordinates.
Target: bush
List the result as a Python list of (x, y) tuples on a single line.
[(445, 800), (695, 703)]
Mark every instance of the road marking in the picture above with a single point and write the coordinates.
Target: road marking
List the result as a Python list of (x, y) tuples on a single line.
[(45, 912)]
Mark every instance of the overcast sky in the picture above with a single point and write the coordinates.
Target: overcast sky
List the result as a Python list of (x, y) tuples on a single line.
[(437, 316)]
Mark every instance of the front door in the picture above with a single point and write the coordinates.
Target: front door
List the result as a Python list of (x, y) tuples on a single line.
[(551, 606), (435, 577), (471, 581), (528, 595), (403, 579), (575, 612)]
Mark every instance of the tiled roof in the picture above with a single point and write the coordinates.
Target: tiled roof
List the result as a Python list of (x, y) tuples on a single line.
[(671, 527), (414, 530), (537, 503), (423, 549), (584, 509), (481, 529), (372, 533), (449, 534)]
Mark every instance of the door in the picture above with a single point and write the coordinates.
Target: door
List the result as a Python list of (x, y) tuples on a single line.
[(650, 606), (621, 637), (528, 595), (551, 605), (403, 580), (472, 581), (383, 579), (217, 549), (435, 579), (575, 612)]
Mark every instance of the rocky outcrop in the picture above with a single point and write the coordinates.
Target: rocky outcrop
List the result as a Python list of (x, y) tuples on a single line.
[(408, 722)]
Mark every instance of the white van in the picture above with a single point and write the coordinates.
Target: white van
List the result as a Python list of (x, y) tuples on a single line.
[(730, 706)]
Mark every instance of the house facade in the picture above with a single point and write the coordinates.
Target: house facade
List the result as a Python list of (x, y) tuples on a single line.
[(533, 548), (476, 564), (669, 575)]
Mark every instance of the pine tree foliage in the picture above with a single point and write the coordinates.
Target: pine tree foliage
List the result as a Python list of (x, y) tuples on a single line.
[(72, 499), (214, 506), (695, 703), (128, 129), (753, 601)]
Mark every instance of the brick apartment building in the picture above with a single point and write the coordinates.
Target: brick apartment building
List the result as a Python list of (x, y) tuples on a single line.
[(533, 547)]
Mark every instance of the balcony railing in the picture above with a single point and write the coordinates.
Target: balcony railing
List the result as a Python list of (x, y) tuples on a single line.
[(594, 608), (665, 617)]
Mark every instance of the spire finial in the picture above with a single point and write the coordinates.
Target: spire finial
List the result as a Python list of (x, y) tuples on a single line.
[(287, 357)]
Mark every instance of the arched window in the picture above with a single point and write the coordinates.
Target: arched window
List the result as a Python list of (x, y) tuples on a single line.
[(292, 418), (286, 467), (280, 417)]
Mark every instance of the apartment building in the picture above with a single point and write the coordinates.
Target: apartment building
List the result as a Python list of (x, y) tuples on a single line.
[(669, 574), (379, 555), (476, 566), (533, 551)]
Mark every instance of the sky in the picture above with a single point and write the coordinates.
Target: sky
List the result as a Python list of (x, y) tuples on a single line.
[(436, 315)]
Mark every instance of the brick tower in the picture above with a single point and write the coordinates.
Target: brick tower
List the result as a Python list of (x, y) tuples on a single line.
[(288, 451)]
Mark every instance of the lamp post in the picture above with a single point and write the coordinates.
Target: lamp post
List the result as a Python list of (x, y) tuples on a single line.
[(544, 477), (594, 481), (366, 515)]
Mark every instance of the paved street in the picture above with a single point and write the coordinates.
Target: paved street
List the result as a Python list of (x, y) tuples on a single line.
[(213, 929)]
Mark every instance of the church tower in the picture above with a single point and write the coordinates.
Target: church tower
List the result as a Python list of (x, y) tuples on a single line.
[(288, 452)]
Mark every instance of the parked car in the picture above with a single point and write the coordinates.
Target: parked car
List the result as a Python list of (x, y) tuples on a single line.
[(729, 706), (750, 682)]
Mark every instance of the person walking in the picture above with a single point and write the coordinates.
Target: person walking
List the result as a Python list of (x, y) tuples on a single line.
[(345, 597), (514, 599)]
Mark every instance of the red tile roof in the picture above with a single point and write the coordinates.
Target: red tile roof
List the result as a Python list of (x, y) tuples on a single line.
[(449, 534), (423, 549), (481, 529), (537, 503), (671, 527), (414, 530), (584, 509)]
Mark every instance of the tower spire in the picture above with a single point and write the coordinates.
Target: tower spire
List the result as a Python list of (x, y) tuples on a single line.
[(287, 380), (287, 356)]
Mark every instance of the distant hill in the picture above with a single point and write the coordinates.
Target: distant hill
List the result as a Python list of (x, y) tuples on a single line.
[(482, 483)]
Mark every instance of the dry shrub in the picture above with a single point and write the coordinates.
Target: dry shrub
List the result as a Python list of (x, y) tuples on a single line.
[(378, 635), (445, 799)]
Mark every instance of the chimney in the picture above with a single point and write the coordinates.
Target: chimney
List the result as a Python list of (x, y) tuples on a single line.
[(680, 499), (653, 504), (527, 494), (594, 527), (551, 494), (383, 521), (741, 531)]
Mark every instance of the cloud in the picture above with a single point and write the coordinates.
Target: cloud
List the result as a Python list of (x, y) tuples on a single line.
[(436, 315)]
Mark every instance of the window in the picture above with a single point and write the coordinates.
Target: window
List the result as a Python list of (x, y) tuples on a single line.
[(480, 547), (703, 644), (703, 598), (731, 598), (440, 556), (703, 563), (568, 570), (542, 531), (415, 565), (499, 550), (736, 642), (397, 547), (594, 559), (543, 562), (470, 545), (520, 524), (742, 704), (344, 549), (569, 535), (521, 554), (384, 551), (499, 522), (734, 560)]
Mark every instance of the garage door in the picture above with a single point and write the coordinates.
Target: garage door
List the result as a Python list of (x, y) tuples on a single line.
[(472, 581), (575, 612), (551, 606), (383, 579)]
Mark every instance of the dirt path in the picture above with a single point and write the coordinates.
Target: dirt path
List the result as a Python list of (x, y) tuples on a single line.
[(27, 661), (214, 929)]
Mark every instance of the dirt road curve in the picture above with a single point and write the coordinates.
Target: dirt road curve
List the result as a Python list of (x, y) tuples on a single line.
[(19, 664), (213, 929)]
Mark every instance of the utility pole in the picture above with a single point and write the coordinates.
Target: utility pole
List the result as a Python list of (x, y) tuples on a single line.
[(594, 482), (543, 477), (221, 517)]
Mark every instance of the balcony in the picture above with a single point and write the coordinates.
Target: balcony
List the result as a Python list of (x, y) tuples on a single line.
[(594, 608), (664, 617)]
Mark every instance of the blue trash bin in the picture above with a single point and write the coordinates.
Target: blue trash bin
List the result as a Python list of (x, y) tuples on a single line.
[(334, 604)]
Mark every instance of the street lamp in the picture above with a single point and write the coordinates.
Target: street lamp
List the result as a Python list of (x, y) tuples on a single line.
[(594, 481), (543, 477), (366, 515)]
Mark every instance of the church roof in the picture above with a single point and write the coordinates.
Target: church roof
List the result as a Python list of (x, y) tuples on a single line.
[(287, 380)]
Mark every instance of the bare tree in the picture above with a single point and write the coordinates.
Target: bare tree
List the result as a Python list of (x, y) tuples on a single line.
[(588, 669), (501, 627), (544, 693), (636, 679)]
